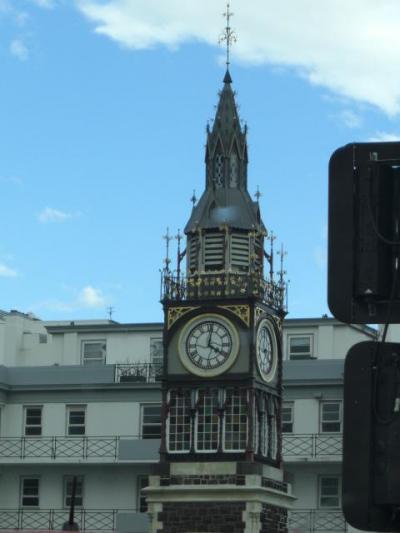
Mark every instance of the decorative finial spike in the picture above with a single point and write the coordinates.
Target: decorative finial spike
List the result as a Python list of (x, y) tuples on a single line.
[(258, 194), (193, 199), (167, 237), (229, 37)]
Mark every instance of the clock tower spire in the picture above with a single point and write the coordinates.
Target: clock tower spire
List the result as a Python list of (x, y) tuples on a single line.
[(220, 455)]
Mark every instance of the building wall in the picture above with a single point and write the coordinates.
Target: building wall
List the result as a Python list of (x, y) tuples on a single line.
[(104, 487)]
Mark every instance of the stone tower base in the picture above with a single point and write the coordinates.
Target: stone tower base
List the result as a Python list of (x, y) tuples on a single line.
[(230, 498)]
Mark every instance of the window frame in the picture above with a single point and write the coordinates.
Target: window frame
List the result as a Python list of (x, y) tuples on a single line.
[(301, 356), (182, 408), (339, 491), (210, 398), (142, 507), (25, 424), (68, 425), (21, 492), (154, 356), (231, 418), (94, 362), (288, 405), (68, 479), (322, 421), (142, 421)]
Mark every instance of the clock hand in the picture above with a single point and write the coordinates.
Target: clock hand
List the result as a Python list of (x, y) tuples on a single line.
[(215, 348), (210, 327)]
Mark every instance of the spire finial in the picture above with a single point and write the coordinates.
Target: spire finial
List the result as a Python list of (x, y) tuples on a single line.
[(228, 36), (258, 194), (193, 198), (167, 237)]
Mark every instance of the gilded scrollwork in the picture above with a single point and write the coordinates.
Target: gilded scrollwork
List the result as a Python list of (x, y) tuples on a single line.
[(175, 313), (241, 311)]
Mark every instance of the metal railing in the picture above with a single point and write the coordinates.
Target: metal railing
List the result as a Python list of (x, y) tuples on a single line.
[(137, 372), (316, 521), (312, 445), (60, 447), (216, 284), (105, 520), (96, 520), (315, 445)]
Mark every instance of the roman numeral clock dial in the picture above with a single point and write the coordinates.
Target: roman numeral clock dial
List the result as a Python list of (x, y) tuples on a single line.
[(266, 350), (208, 345)]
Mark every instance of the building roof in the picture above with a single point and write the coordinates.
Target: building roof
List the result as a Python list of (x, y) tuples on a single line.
[(313, 371)]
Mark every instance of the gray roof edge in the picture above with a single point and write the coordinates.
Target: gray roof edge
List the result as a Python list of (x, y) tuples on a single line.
[(116, 327)]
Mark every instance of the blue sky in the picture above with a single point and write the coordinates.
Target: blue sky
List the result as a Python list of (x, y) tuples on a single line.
[(103, 112)]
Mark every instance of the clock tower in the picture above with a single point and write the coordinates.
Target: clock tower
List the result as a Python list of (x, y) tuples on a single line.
[(220, 456)]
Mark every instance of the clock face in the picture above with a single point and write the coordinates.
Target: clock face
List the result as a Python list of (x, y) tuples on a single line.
[(266, 350), (208, 345)]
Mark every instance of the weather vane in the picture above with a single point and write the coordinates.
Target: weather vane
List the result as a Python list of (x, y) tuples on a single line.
[(228, 36)]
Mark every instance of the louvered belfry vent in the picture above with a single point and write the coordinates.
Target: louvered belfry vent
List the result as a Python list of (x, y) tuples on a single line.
[(194, 253), (214, 251), (240, 256)]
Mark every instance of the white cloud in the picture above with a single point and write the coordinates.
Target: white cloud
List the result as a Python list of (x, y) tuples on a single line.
[(7, 272), (89, 297), (19, 50), (350, 118), (383, 136), (349, 47), (53, 215)]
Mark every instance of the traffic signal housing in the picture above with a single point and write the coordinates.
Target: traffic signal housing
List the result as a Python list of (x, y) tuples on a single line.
[(364, 233), (371, 437)]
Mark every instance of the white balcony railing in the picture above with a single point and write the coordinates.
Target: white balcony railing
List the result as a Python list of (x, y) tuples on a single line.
[(316, 521), (312, 445), (295, 447), (96, 520), (105, 520)]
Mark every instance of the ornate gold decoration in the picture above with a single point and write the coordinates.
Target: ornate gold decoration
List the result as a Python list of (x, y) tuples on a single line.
[(174, 313), (259, 312), (241, 311)]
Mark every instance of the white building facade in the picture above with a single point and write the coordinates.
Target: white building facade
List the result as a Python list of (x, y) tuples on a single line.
[(82, 398)]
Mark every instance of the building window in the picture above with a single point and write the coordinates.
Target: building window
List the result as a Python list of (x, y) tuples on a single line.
[(287, 417), (68, 483), (207, 427), (143, 482), (331, 417), (151, 421), (94, 352), (76, 419), (33, 421), (233, 170), (179, 421), (273, 428), (219, 170), (42, 338), (235, 420), (300, 346), (329, 492), (30, 492), (156, 351)]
